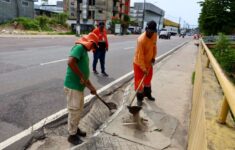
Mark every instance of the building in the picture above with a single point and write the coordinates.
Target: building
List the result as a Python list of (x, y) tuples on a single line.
[(10, 9), (46, 9), (121, 8), (142, 13), (91, 12)]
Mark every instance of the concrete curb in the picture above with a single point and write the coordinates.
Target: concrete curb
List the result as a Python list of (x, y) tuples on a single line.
[(28, 36), (20, 140)]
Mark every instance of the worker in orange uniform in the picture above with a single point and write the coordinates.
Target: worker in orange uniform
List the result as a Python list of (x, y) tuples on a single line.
[(144, 59), (100, 52)]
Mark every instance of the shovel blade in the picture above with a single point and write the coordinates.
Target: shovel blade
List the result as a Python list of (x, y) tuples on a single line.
[(134, 109), (111, 105)]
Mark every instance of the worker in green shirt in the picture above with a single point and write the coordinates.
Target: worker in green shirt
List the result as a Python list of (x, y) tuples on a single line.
[(76, 79)]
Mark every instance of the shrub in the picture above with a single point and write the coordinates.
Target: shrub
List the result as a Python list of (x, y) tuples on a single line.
[(225, 54), (28, 24), (43, 22), (59, 18)]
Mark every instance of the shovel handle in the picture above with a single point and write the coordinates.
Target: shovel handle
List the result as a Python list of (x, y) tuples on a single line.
[(142, 80), (102, 100)]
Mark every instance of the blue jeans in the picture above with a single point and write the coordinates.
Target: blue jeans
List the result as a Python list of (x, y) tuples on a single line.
[(99, 54)]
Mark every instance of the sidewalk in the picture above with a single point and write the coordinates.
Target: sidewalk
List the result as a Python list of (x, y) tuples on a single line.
[(172, 87)]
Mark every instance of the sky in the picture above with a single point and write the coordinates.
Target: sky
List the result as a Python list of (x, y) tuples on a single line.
[(187, 10)]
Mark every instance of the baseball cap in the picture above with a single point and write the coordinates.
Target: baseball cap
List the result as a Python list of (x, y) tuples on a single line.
[(152, 26)]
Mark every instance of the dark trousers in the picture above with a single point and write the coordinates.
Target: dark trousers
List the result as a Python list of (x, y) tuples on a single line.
[(99, 54)]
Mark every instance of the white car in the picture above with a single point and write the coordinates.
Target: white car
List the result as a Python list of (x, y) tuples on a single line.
[(164, 34)]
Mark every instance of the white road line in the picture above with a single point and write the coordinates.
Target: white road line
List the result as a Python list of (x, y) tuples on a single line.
[(52, 62), (129, 47)]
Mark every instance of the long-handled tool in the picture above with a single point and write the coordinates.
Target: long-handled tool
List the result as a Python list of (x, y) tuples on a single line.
[(136, 109), (110, 105)]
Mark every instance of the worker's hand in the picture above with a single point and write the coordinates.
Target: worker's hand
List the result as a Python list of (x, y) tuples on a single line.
[(153, 60), (93, 90), (145, 72)]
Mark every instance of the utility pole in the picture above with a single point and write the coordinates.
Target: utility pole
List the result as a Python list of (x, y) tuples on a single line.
[(159, 22), (78, 18), (143, 16), (179, 25)]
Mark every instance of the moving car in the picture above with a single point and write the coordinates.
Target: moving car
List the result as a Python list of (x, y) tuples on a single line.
[(164, 34)]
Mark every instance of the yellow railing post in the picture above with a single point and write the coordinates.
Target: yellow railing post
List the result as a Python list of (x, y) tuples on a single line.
[(224, 111)]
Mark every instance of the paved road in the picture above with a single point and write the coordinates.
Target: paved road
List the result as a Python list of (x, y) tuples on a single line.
[(33, 69)]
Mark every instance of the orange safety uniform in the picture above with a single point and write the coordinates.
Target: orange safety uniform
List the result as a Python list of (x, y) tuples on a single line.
[(102, 36), (146, 50)]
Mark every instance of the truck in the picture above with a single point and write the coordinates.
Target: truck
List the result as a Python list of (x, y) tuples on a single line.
[(172, 30)]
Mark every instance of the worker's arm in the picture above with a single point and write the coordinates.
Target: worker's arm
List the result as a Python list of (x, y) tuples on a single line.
[(154, 49), (140, 56), (72, 64)]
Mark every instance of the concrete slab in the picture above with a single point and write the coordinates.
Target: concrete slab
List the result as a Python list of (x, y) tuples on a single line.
[(172, 88), (147, 137)]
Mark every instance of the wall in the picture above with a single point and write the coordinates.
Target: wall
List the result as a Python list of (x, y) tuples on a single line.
[(8, 9)]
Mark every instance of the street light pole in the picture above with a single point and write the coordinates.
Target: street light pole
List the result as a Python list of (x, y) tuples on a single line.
[(78, 18), (143, 15)]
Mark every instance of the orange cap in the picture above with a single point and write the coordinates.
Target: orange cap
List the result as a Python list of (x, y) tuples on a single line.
[(87, 39)]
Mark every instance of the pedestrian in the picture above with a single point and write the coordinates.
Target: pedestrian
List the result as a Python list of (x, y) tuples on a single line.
[(144, 59), (76, 79), (102, 48)]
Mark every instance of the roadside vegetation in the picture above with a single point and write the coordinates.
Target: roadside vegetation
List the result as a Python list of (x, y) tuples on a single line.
[(225, 55), (56, 23), (217, 18)]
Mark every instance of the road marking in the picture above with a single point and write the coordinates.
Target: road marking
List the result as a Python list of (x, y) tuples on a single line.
[(52, 62), (129, 48)]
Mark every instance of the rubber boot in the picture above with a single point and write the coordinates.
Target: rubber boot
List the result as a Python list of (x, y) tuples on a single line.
[(140, 98), (147, 93), (74, 139), (81, 133)]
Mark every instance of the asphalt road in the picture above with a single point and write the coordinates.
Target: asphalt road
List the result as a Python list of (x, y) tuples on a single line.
[(32, 72)]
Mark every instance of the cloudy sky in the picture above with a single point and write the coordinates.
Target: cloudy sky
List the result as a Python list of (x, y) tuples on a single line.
[(187, 10)]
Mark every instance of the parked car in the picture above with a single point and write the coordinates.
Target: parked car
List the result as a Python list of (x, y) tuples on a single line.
[(164, 34)]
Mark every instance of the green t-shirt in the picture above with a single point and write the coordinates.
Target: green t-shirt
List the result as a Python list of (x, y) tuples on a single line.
[(72, 80)]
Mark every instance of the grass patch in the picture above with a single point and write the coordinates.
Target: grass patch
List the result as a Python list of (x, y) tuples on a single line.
[(193, 77), (40, 23)]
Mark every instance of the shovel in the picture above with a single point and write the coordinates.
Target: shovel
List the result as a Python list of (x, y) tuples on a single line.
[(110, 105), (136, 109)]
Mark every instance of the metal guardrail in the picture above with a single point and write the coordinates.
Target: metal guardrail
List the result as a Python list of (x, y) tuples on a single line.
[(227, 86)]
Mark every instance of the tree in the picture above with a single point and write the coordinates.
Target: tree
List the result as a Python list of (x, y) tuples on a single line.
[(217, 16), (125, 23)]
